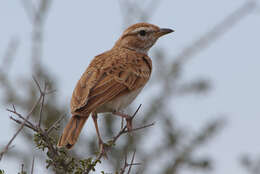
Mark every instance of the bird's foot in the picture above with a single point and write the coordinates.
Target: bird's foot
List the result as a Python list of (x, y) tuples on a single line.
[(128, 119)]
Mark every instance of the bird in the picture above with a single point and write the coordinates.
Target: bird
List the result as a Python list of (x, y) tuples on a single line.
[(112, 80)]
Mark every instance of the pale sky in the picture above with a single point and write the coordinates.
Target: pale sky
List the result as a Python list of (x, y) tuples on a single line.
[(77, 31)]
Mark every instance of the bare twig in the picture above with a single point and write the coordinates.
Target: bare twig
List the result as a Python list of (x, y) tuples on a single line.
[(13, 107), (124, 130), (42, 103), (32, 165), (122, 170), (55, 124), (45, 141), (19, 115), (26, 124), (38, 85), (40, 131), (139, 128), (25, 119), (126, 164), (132, 161), (21, 127), (137, 110)]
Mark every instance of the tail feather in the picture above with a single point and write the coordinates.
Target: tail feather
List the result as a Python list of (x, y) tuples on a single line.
[(71, 131)]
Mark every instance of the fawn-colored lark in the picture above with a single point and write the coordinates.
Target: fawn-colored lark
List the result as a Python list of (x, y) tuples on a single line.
[(112, 80)]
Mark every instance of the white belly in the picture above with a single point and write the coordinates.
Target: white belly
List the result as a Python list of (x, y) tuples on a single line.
[(119, 103)]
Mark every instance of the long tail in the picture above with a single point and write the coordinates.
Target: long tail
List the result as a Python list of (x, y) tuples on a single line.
[(71, 131)]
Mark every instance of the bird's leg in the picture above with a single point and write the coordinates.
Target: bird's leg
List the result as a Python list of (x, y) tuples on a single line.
[(128, 119), (100, 141)]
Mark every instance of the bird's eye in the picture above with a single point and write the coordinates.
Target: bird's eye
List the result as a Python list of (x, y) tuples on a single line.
[(142, 32)]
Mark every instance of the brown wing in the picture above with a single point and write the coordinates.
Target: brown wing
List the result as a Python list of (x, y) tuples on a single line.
[(110, 75)]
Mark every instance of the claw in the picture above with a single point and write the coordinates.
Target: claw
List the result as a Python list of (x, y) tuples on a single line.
[(128, 119)]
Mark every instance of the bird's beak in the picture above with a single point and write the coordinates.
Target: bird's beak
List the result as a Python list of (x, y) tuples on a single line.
[(163, 31)]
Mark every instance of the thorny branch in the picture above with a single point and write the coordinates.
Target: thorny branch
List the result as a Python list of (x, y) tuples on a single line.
[(42, 101), (25, 120), (112, 142), (58, 158), (54, 126), (42, 138), (126, 164)]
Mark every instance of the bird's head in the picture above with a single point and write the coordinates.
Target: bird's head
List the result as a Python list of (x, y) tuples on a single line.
[(141, 37)]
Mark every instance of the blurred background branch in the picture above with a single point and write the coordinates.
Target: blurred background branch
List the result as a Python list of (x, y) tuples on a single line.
[(251, 164)]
